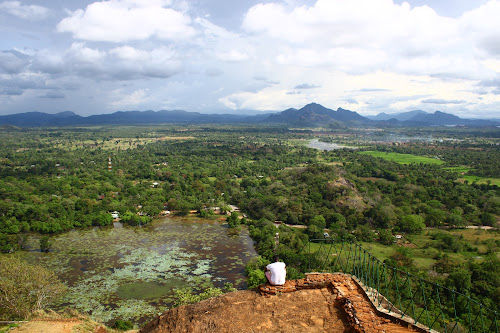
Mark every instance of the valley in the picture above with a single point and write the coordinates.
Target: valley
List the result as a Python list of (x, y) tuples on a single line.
[(222, 187)]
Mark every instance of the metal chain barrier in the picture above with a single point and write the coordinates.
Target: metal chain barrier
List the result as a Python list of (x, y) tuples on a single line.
[(402, 294)]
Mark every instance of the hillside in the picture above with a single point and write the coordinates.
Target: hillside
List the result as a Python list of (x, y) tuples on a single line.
[(316, 114), (319, 303)]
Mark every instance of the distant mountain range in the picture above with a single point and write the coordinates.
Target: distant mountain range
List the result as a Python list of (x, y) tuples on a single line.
[(438, 118), (311, 115)]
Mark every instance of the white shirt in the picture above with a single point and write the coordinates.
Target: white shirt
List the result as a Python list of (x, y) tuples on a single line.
[(278, 272)]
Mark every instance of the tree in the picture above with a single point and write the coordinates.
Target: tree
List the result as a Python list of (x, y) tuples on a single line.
[(314, 232), (318, 221), (488, 219), (233, 220), (412, 224), (459, 280), (338, 219), (254, 270), (102, 219), (45, 244), (25, 288), (455, 220), (385, 237), (363, 233)]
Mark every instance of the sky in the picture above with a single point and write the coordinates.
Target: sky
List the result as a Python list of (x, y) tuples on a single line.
[(238, 56)]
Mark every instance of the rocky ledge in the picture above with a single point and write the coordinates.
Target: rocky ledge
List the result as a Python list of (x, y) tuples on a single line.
[(317, 303)]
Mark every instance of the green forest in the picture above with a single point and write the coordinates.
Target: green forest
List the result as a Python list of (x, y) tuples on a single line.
[(54, 180)]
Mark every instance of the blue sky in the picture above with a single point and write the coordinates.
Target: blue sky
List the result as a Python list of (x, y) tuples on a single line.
[(227, 56)]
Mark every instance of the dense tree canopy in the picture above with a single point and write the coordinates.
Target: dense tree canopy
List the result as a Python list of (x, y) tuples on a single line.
[(55, 180)]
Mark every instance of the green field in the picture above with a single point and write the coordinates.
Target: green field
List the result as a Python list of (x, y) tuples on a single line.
[(480, 180), (402, 158), (460, 169), (472, 178), (423, 255)]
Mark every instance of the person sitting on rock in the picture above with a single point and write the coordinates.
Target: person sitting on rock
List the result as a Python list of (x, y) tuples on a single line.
[(276, 272)]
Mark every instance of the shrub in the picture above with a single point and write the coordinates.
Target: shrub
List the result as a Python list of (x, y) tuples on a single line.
[(123, 325), (255, 278), (45, 244), (25, 288), (186, 296)]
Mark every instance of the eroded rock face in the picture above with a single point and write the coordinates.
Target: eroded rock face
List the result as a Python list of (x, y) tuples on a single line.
[(318, 303)]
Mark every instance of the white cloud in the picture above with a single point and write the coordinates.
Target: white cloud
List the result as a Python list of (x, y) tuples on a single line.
[(120, 63), (306, 86), (125, 20), (367, 23), (12, 61), (368, 55), (264, 100), (232, 56), (350, 34), (482, 27), (124, 99), (408, 51), (27, 12), (79, 53), (129, 53)]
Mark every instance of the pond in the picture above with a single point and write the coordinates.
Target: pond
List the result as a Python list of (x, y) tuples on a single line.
[(325, 145), (130, 273)]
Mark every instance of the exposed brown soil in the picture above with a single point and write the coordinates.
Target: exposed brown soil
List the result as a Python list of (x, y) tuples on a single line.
[(64, 326), (44, 326), (52, 322), (319, 303)]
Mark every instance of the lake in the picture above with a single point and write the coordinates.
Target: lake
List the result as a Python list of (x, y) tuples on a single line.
[(325, 145), (130, 273)]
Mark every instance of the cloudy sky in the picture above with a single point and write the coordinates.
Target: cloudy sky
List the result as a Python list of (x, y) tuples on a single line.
[(214, 56)]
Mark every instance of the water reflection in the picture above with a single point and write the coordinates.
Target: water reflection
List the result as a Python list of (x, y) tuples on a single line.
[(325, 145), (130, 273)]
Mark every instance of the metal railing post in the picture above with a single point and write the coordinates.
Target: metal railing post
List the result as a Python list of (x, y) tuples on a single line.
[(372, 273), (425, 302)]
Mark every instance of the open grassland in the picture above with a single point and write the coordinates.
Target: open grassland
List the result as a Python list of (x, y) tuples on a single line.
[(471, 178), (402, 158), (477, 234), (459, 169), (408, 158), (479, 180), (421, 249), (116, 143)]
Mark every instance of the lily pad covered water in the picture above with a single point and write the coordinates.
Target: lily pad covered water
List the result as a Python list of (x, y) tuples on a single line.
[(130, 273)]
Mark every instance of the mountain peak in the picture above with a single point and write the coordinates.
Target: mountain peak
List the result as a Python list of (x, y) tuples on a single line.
[(65, 114), (314, 114), (315, 107)]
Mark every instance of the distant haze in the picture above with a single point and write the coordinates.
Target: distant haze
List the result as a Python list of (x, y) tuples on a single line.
[(311, 115)]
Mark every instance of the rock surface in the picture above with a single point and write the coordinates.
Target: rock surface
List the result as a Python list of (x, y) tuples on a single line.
[(318, 303)]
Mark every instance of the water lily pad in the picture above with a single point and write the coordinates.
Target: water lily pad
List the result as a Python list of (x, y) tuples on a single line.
[(131, 272), (147, 290)]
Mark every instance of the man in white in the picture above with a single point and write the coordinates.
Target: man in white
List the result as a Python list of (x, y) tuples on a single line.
[(276, 272)]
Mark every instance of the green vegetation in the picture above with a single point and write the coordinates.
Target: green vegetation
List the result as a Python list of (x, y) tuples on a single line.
[(479, 180), (25, 288), (123, 325), (186, 296), (7, 328), (56, 180), (403, 158), (130, 273)]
